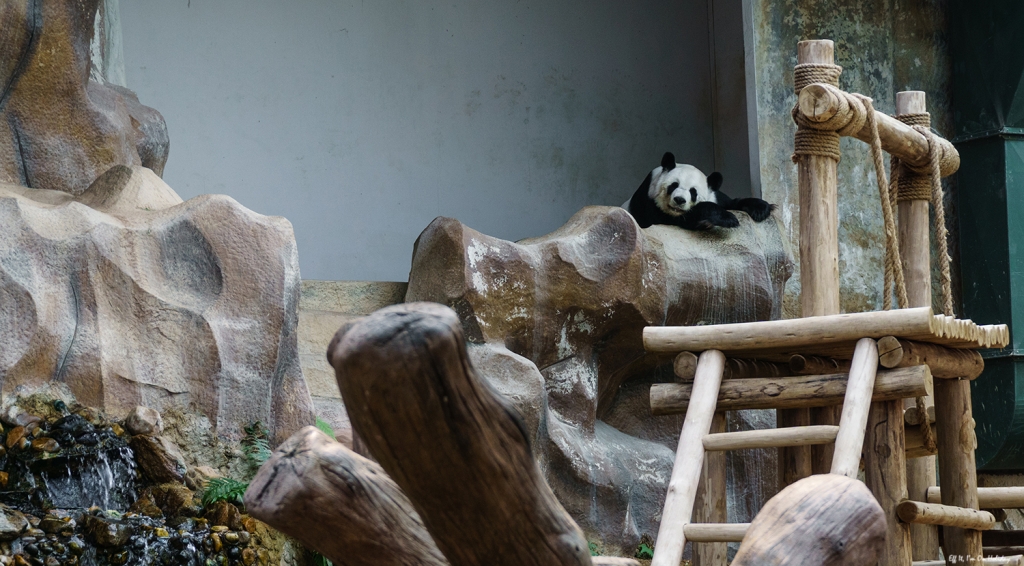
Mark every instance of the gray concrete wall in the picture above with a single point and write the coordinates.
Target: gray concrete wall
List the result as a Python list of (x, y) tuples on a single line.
[(362, 121), (884, 46)]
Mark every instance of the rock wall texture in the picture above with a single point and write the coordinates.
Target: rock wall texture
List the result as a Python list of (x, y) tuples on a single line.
[(129, 296), (884, 46), (555, 323), (59, 130)]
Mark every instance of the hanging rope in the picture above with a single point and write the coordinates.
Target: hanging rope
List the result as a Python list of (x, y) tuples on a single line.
[(893, 265)]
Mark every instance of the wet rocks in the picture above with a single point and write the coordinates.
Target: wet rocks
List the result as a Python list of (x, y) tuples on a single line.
[(107, 532), (12, 523), (158, 458), (224, 514)]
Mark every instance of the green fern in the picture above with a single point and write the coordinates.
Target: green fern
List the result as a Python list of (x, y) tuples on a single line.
[(224, 489), (321, 560), (325, 428), (644, 552), (255, 444)]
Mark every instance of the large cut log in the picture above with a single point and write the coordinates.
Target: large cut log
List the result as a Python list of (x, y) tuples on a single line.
[(458, 450), (339, 503), (946, 363), (823, 520)]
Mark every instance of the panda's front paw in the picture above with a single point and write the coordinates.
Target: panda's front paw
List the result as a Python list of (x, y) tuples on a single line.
[(757, 209), (708, 215)]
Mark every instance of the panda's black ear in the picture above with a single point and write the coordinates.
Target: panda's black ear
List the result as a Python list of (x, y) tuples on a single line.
[(668, 161), (715, 181)]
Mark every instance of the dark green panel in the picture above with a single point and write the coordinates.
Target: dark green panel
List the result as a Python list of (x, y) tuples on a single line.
[(986, 40)]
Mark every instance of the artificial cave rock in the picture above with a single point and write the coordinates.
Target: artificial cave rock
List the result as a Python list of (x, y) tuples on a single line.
[(127, 296), (555, 324), (59, 130)]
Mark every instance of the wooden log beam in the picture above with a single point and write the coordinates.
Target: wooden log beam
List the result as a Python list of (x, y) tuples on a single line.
[(1001, 561), (685, 367), (771, 438), (944, 515), (789, 333), (792, 392), (823, 520), (856, 404), (954, 431), (716, 532), (458, 450), (989, 497), (340, 504), (686, 470), (710, 506), (820, 102), (816, 365), (945, 363)]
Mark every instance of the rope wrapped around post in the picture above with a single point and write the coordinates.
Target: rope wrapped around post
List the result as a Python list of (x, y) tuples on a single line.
[(822, 138)]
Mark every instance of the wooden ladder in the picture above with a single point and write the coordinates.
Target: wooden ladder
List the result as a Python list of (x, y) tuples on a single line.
[(696, 439)]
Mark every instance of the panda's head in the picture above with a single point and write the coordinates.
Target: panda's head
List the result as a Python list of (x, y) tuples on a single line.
[(675, 187)]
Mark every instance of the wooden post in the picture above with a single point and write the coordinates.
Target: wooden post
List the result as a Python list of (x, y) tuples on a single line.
[(819, 272), (915, 254), (954, 428), (686, 471), (885, 473), (710, 506)]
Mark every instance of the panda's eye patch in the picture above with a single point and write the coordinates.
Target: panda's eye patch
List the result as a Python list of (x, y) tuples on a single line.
[(693, 194), (672, 187)]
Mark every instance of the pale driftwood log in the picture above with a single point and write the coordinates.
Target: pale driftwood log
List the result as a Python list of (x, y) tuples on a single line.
[(954, 431), (715, 533), (710, 506), (819, 269), (613, 561), (685, 367), (816, 365), (686, 470), (936, 514), (830, 335), (457, 449), (823, 520), (820, 102), (885, 474), (340, 504), (989, 497), (945, 363), (856, 404), (790, 392), (771, 438), (1001, 561)]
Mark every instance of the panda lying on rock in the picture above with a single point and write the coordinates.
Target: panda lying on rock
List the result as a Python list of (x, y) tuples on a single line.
[(680, 195)]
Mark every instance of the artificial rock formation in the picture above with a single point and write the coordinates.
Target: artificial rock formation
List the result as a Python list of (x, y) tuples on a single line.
[(128, 296), (58, 129), (555, 324)]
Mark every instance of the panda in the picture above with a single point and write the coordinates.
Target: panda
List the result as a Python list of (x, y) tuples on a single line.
[(681, 195)]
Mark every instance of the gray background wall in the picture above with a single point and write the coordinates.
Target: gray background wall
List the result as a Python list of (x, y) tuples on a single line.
[(362, 121)]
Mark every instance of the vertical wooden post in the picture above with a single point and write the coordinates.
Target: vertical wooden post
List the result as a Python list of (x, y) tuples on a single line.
[(682, 486), (885, 474), (954, 431), (915, 255), (710, 506), (819, 272)]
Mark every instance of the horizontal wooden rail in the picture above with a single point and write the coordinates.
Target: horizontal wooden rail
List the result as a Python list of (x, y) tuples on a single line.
[(820, 102), (771, 438), (685, 367), (715, 532), (989, 497), (793, 392), (947, 363), (945, 515)]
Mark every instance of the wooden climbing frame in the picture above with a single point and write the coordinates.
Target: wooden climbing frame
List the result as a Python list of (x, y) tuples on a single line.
[(806, 367)]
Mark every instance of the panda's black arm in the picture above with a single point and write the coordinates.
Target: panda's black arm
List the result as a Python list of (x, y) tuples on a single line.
[(705, 216), (640, 205), (758, 210)]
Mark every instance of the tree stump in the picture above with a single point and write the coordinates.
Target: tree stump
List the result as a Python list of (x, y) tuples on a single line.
[(822, 520), (457, 449), (339, 503)]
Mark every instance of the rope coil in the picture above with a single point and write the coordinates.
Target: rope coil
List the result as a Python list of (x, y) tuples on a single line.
[(812, 140)]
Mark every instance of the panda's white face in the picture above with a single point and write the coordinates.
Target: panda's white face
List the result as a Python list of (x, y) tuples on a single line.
[(676, 191)]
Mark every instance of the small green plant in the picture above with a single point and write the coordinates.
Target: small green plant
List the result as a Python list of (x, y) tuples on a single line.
[(645, 550), (593, 548), (255, 444), (321, 560), (325, 428), (224, 489)]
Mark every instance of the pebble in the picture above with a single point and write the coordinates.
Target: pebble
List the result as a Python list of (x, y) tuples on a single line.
[(244, 538), (217, 544), (45, 445), (15, 436), (230, 538), (248, 557), (162, 532)]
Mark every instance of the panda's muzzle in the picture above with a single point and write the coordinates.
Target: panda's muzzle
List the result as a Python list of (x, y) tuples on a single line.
[(679, 199)]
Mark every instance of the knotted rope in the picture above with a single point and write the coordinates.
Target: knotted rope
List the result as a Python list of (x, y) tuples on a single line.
[(817, 138)]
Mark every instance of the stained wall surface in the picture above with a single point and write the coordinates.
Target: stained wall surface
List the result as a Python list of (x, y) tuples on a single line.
[(884, 46), (362, 121)]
